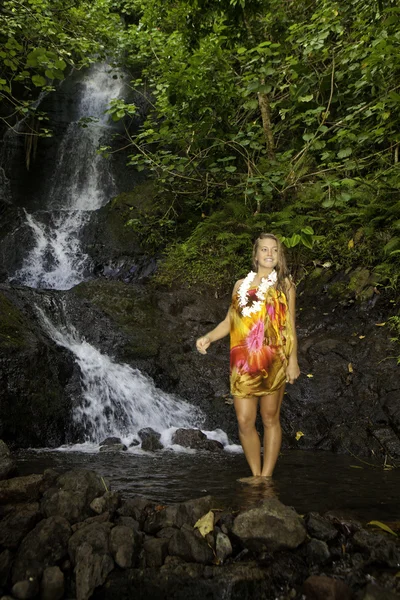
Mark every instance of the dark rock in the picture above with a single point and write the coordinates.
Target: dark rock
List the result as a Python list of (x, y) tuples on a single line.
[(15, 526), (156, 551), (150, 439), (113, 448), (177, 515), (223, 547), (136, 507), (109, 502), (388, 439), (317, 552), (124, 544), (128, 522), (77, 489), (8, 465), (103, 518), (287, 568), (6, 559), (43, 547), (20, 489), (375, 592), (167, 532), (378, 548), (196, 439), (52, 584), (23, 590), (271, 526), (110, 441), (320, 528), (325, 588), (89, 551), (190, 546)]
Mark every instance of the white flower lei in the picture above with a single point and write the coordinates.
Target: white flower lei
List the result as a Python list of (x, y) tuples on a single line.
[(243, 292)]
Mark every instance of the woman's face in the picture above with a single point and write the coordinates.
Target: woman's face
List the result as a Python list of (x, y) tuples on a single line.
[(267, 253)]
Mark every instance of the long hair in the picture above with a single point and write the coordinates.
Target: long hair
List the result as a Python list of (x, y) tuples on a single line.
[(281, 267)]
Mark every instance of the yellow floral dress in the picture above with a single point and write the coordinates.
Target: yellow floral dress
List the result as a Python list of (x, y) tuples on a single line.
[(260, 345)]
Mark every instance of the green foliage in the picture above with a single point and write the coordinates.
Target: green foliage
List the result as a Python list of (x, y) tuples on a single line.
[(41, 40), (287, 109)]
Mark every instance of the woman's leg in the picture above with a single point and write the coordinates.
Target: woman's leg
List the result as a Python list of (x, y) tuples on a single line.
[(270, 406), (246, 413)]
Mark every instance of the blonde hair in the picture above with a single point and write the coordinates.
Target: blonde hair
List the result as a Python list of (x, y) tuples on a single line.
[(281, 267)]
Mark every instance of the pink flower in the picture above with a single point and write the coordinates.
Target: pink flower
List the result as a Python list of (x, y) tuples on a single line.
[(255, 339)]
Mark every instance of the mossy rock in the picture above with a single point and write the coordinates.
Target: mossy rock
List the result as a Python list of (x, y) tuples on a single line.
[(359, 279)]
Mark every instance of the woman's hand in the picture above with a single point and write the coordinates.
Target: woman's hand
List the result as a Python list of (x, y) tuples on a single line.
[(292, 372), (202, 344)]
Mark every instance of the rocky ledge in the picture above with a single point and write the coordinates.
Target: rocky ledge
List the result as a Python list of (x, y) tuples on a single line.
[(70, 536)]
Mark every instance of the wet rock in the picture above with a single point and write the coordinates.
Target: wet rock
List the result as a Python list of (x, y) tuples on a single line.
[(269, 527), (110, 501), (317, 552), (150, 439), (77, 489), (156, 551), (43, 547), (167, 532), (6, 559), (177, 515), (89, 551), (52, 584), (110, 441), (320, 528), (113, 448), (103, 518), (223, 547), (196, 439), (128, 522), (8, 465), (375, 592), (190, 546), (378, 548), (20, 489), (287, 568), (124, 544), (15, 526), (389, 440), (135, 507), (23, 590), (326, 588)]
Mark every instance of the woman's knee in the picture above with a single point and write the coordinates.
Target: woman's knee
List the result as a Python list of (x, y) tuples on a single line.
[(246, 422), (270, 418)]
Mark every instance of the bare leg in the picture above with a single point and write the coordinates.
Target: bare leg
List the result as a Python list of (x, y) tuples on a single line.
[(246, 413), (270, 406)]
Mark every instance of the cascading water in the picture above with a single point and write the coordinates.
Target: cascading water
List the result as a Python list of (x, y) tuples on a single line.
[(82, 182), (119, 400)]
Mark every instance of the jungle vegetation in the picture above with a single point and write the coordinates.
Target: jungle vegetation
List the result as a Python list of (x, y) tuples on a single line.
[(261, 115)]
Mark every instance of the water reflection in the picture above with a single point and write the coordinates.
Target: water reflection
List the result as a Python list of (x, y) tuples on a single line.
[(308, 481)]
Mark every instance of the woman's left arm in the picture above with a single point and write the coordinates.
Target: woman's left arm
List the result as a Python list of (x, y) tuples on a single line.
[(292, 370)]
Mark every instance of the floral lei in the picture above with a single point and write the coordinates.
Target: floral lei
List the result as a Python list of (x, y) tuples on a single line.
[(243, 292)]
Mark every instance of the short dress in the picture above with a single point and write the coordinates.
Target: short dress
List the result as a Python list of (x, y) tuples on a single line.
[(260, 345)]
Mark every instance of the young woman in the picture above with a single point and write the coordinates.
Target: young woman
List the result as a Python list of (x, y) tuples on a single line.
[(261, 323)]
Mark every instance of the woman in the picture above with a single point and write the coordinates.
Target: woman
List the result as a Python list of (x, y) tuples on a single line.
[(261, 323)]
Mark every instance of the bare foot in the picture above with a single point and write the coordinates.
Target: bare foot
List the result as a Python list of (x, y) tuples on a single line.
[(253, 480)]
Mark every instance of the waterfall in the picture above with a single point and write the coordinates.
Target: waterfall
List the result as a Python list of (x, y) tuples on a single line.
[(82, 182), (118, 400)]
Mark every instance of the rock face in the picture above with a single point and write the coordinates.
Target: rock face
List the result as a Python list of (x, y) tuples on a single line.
[(144, 550)]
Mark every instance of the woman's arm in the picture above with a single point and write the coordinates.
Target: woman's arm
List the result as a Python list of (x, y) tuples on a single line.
[(220, 331), (292, 370)]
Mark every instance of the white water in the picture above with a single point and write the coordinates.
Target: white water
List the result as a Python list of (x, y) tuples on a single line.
[(119, 400), (82, 182)]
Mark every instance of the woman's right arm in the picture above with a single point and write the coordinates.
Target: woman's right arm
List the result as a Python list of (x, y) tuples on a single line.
[(220, 331)]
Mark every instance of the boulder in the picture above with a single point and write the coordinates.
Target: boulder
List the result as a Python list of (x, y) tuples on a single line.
[(269, 527), (89, 551), (26, 589), (326, 588), (177, 515), (43, 547), (196, 439), (6, 559), (15, 526), (150, 439), (8, 465), (52, 584), (223, 547), (76, 490), (317, 552), (20, 489), (190, 546), (124, 544), (156, 551), (320, 528), (378, 548), (109, 502)]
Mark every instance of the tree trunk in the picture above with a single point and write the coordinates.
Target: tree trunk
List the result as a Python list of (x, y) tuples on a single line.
[(263, 103)]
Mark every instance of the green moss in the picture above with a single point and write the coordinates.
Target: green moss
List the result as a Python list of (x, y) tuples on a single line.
[(358, 280), (14, 328)]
